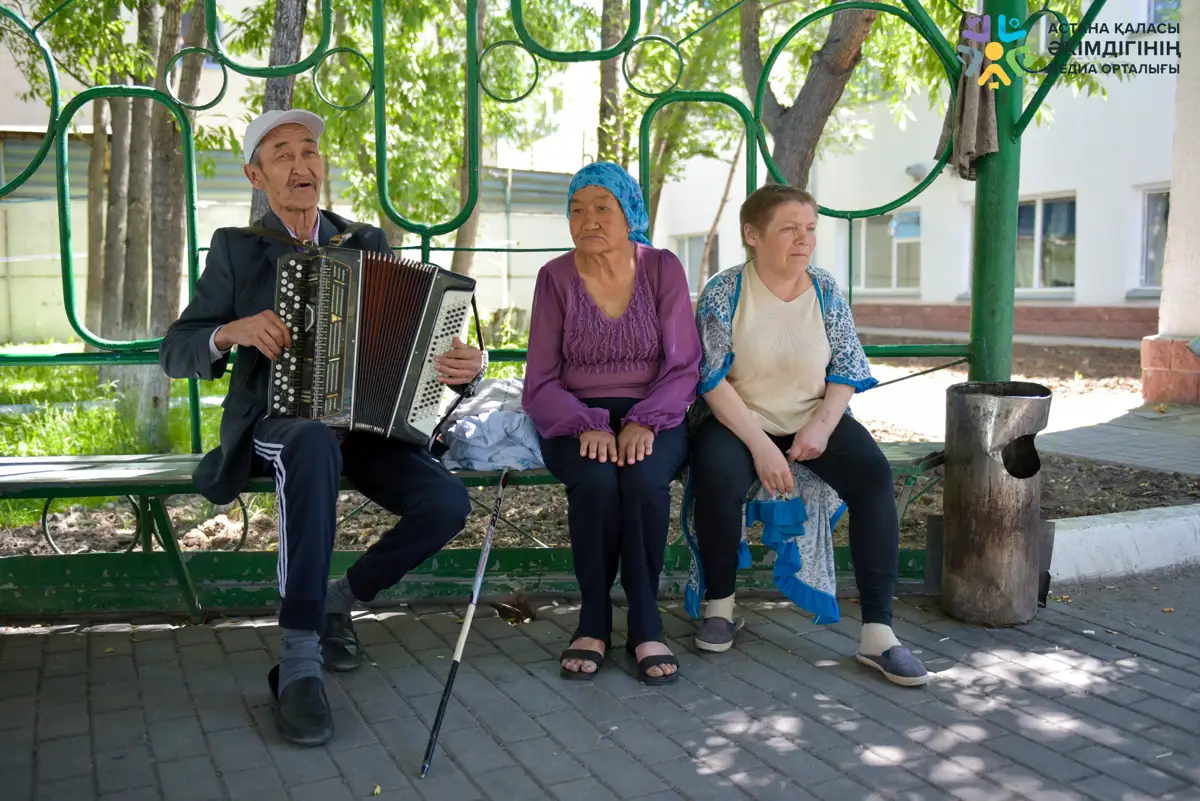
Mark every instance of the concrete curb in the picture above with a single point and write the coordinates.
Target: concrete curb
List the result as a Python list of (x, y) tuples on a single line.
[(1125, 543)]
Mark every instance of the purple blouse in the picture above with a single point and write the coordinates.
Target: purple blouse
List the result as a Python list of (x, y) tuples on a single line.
[(576, 351)]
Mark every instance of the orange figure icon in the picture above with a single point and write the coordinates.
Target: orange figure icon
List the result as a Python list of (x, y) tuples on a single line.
[(994, 51)]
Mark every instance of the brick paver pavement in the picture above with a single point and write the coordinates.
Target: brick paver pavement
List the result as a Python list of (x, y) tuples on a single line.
[(1067, 707), (1169, 441)]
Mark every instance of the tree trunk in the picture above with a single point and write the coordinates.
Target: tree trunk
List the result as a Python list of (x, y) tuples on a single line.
[(97, 167), (395, 234), (135, 297), (672, 120), (797, 129), (465, 236), (608, 134), (117, 221), (285, 49), (167, 234), (135, 300), (712, 231), (153, 388)]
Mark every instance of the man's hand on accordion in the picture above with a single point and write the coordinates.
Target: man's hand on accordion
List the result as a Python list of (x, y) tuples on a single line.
[(460, 364), (264, 331)]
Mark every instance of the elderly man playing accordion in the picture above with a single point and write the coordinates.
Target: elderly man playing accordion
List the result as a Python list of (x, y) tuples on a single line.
[(233, 305)]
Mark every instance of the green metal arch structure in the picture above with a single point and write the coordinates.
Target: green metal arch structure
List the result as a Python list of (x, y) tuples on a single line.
[(988, 351)]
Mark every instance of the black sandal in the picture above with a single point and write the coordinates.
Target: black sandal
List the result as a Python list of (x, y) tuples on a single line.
[(581, 654), (654, 660)]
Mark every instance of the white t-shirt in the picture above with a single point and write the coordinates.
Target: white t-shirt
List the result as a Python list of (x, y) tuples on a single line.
[(781, 353)]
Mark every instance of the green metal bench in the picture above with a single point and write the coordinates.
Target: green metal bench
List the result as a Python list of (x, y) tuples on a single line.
[(157, 581)]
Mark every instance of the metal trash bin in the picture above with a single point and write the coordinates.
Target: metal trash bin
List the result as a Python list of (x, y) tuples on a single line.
[(992, 501)]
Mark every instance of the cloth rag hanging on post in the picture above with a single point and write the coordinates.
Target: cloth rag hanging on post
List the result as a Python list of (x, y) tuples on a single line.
[(972, 120)]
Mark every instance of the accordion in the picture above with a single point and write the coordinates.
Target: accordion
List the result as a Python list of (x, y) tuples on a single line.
[(366, 327)]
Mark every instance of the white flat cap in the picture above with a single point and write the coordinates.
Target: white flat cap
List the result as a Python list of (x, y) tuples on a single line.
[(270, 120)]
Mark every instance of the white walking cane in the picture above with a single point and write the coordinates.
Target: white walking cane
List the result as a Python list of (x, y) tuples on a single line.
[(466, 628)]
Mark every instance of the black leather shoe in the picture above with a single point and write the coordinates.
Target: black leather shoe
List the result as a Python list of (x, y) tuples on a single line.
[(302, 713), (340, 647)]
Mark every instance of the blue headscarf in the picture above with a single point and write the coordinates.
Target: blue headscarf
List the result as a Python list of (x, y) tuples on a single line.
[(626, 190)]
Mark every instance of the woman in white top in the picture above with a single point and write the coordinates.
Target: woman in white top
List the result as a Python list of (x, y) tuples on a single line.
[(785, 398)]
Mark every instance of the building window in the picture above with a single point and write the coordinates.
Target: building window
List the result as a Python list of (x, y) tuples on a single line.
[(690, 250), (1163, 10), (1154, 236), (1046, 243), (887, 251)]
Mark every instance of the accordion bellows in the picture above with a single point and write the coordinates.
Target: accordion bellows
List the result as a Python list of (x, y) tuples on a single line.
[(365, 329)]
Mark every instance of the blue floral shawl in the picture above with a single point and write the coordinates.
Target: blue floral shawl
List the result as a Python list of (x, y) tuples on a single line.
[(798, 527)]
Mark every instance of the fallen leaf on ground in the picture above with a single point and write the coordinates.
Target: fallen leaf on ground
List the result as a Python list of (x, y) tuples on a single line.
[(377, 790)]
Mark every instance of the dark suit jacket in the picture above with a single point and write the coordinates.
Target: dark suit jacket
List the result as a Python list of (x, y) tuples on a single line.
[(238, 281)]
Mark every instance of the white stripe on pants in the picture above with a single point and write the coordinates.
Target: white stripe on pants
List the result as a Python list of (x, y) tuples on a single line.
[(272, 453)]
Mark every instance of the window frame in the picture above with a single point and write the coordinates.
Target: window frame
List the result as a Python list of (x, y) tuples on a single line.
[(1039, 278), (1152, 11), (860, 247), (682, 250), (1164, 189)]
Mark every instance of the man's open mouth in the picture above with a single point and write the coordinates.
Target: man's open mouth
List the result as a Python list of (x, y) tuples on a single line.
[(302, 185)]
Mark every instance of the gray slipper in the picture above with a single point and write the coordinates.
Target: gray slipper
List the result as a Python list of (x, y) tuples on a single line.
[(898, 665), (716, 633)]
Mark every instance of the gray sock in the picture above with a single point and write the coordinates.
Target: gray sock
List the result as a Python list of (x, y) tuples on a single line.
[(300, 656), (338, 598)]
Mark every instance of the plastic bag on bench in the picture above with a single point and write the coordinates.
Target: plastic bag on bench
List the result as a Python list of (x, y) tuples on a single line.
[(490, 431)]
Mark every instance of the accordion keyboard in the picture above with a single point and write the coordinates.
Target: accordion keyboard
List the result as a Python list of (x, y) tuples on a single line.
[(308, 379), (285, 373), (426, 409)]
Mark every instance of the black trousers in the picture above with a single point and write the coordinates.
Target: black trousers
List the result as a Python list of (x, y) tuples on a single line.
[(307, 460), (852, 464), (618, 515)]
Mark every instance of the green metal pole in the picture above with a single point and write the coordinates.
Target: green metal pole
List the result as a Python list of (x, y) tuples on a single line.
[(850, 263), (997, 191)]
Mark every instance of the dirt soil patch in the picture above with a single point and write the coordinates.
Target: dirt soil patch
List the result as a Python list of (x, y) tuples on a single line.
[(1065, 370), (538, 515)]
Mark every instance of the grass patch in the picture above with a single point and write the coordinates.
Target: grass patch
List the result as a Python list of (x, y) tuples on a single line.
[(70, 384)]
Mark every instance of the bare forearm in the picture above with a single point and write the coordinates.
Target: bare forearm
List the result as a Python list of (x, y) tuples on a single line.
[(729, 408), (837, 399)]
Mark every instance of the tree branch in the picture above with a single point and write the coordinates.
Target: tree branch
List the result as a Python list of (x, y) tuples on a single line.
[(752, 63), (841, 52)]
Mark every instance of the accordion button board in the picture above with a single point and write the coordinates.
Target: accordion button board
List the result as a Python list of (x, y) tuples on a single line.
[(366, 328)]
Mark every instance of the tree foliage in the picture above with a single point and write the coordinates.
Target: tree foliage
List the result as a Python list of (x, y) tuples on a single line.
[(423, 85), (892, 64)]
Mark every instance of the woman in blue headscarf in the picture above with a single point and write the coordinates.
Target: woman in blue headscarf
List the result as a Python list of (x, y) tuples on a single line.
[(613, 364)]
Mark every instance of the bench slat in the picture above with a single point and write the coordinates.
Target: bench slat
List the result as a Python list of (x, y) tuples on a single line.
[(171, 474)]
